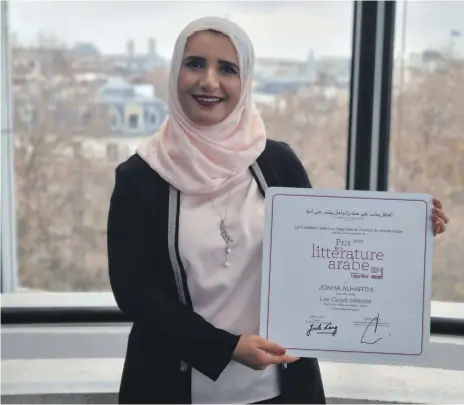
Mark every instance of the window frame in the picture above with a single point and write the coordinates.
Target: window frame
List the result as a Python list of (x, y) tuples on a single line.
[(9, 261)]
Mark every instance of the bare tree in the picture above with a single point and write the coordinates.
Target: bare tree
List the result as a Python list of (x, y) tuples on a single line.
[(315, 125), (62, 191), (427, 155)]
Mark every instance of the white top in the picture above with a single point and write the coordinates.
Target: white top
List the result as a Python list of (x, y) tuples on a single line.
[(227, 297)]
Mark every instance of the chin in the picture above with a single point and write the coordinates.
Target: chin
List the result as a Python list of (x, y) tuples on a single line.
[(207, 121), (210, 123)]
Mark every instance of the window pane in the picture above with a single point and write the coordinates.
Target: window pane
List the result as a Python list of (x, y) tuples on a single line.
[(86, 92), (427, 129)]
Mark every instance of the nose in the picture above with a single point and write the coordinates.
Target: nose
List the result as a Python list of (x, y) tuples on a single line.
[(210, 80)]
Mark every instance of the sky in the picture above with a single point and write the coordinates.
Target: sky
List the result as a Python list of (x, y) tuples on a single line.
[(284, 29)]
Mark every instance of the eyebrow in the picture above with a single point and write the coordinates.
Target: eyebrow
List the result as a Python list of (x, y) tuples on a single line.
[(220, 61)]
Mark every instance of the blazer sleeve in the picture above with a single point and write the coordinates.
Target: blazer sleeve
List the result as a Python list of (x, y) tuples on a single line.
[(200, 344), (295, 169)]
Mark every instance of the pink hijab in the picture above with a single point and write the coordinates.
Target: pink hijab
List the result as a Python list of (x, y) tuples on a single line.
[(201, 160)]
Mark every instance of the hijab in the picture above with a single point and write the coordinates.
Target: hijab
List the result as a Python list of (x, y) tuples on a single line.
[(202, 159)]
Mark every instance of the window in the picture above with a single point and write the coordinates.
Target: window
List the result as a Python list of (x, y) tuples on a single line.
[(426, 132), (115, 118), (301, 89), (133, 121), (152, 116)]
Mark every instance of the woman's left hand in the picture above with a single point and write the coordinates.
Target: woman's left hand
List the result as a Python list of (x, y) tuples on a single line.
[(439, 218)]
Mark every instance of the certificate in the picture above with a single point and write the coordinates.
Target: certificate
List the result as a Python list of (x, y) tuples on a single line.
[(347, 274)]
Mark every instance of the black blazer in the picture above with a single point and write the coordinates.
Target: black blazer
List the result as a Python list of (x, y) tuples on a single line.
[(148, 281)]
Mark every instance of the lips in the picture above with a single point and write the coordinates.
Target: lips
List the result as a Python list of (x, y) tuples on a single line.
[(208, 101)]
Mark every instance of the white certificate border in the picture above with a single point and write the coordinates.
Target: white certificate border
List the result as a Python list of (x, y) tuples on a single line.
[(268, 298)]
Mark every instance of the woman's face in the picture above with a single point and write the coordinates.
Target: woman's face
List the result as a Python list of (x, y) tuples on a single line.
[(209, 78)]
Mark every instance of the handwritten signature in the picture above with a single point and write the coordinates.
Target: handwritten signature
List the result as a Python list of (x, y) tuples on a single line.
[(374, 323), (328, 329)]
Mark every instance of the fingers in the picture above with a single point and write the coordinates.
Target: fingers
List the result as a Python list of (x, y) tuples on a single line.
[(437, 203), (290, 359), (271, 347), (439, 218), (272, 359), (266, 359), (257, 353), (275, 353), (438, 226), (439, 213)]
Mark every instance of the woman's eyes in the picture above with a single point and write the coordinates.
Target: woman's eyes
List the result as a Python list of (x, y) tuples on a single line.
[(195, 64), (224, 68), (229, 70)]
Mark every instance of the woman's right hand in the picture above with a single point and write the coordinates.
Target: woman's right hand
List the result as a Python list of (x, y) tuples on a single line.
[(257, 353)]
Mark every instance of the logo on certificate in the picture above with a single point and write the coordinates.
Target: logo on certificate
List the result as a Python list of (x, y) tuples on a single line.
[(377, 273)]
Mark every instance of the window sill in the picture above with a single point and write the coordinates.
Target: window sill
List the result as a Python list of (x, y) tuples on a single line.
[(97, 381)]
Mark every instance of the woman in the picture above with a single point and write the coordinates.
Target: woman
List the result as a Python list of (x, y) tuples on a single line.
[(185, 238)]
